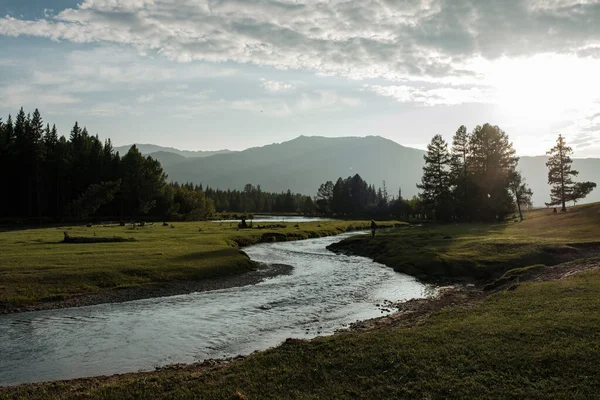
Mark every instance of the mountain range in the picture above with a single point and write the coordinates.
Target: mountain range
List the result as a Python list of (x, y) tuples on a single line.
[(153, 148), (302, 164)]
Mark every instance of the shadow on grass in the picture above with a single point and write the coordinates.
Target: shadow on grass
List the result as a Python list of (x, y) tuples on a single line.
[(440, 253), (211, 254)]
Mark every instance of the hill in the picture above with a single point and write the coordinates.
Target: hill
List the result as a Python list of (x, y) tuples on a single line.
[(167, 158), (302, 164), (153, 148)]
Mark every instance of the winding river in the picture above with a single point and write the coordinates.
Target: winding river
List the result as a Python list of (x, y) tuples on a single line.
[(323, 292)]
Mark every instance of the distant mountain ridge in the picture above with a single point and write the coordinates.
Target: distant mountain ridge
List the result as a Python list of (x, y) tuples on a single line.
[(302, 164), (148, 149)]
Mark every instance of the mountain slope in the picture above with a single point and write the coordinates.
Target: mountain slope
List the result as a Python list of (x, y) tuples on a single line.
[(167, 158), (302, 164), (147, 149)]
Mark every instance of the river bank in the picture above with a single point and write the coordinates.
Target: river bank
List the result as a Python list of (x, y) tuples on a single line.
[(38, 271), (324, 292), (418, 351), (260, 273), (530, 332), (481, 253)]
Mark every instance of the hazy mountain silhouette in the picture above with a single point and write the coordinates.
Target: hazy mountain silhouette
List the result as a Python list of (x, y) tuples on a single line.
[(166, 157), (147, 149), (302, 164)]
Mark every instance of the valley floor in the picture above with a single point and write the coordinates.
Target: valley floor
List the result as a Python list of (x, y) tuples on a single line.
[(538, 339), (39, 271), (519, 330)]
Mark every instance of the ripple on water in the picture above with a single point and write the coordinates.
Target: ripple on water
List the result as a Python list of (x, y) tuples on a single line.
[(323, 292)]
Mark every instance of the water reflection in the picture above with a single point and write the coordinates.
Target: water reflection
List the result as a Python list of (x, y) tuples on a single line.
[(324, 293)]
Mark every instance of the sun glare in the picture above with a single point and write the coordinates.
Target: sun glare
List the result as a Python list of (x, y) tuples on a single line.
[(544, 89)]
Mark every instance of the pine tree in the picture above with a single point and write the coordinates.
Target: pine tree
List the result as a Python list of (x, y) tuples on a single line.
[(9, 129), (6, 165), (491, 161), (37, 157), (560, 173), (521, 192), (459, 171), (581, 190), (143, 182), (435, 183)]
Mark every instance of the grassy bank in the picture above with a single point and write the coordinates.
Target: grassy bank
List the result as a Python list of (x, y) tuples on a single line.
[(538, 341), (36, 267), (534, 336), (484, 251)]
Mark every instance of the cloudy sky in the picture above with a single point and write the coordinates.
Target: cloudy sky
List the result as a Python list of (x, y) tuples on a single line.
[(211, 74)]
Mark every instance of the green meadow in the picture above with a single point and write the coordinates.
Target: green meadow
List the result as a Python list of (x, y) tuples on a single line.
[(35, 266), (534, 339), (484, 251)]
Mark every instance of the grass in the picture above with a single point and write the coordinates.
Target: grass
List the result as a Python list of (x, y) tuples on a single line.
[(35, 266), (484, 251), (536, 340), (539, 341)]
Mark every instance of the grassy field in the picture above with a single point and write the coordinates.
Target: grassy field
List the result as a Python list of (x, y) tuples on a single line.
[(539, 341), (484, 251), (533, 340), (36, 267)]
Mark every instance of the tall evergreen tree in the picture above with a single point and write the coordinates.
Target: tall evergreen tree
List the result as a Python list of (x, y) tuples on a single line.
[(435, 183), (143, 181), (521, 192), (560, 173), (324, 197), (459, 172), (9, 130), (37, 157), (7, 163), (491, 162)]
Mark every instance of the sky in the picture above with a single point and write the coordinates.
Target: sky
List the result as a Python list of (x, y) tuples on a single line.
[(214, 74)]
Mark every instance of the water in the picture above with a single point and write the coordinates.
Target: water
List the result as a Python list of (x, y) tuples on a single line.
[(278, 218), (325, 292)]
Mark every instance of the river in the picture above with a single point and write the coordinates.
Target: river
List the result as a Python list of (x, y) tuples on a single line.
[(323, 293)]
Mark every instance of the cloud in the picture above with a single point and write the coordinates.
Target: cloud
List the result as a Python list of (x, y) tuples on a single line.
[(314, 101), (535, 59), (85, 76), (585, 140), (425, 39), (435, 96), (145, 98), (277, 86), (16, 95)]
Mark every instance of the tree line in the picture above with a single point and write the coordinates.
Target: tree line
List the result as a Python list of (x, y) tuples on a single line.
[(474, 179), (253, 199), (48, 177), (353, 197), (477, 179), (52, 177)]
